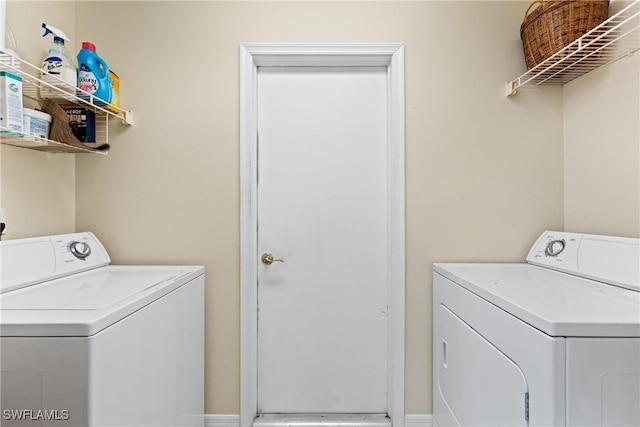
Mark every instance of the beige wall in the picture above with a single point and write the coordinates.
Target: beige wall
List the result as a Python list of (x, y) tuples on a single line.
[(602, 151), (483, 172), (602, 148), (36, 189)]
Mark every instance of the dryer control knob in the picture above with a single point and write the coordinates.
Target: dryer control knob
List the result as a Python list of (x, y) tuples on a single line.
[(555, 247), (80, 250)]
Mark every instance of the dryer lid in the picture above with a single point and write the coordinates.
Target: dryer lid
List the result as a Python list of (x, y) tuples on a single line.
[(556, 303)]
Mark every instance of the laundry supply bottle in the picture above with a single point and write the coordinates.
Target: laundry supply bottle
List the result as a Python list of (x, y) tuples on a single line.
[(57, 66), (93, 75)]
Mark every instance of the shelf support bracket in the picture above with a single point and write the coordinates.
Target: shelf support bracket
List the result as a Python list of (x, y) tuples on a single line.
[(127, 117), (511, 88)]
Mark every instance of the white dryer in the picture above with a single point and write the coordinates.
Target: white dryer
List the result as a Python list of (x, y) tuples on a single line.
[(87, 344), (553, 342)]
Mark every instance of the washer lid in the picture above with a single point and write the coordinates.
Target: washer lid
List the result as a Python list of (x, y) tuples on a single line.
[(556, 303), (85, 303)]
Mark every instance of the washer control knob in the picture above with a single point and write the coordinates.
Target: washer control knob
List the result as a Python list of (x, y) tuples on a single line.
[(554, 247), (80, 250)]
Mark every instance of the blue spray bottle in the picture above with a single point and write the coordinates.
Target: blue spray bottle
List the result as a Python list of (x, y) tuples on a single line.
[(93, 75)]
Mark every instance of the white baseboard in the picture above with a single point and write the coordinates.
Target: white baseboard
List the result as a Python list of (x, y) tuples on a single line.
[(216, 420), (418, 420)]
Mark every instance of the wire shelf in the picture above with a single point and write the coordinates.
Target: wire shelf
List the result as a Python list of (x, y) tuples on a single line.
[(31, 142), (615, 38), (33, 87)]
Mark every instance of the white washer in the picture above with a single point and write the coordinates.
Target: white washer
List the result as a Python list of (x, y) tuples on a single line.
[(84, 343), (555, 342)]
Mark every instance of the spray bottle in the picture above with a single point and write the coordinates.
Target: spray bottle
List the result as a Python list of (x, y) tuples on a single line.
[(58, 64)]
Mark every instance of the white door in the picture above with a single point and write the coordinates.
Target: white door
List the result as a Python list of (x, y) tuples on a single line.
[(322, 209)]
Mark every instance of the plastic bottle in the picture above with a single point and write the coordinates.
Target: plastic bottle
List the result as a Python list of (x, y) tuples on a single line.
[(93, 74), (57, 64)]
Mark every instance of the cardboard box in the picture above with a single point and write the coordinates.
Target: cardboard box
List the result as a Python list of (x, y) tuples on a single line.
[(82, 122), (11, 118)]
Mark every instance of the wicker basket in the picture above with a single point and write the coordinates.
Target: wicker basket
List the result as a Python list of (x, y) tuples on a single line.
[(554, 24)]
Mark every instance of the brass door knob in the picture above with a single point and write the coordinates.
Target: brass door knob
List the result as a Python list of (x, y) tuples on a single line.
[(268, 259)]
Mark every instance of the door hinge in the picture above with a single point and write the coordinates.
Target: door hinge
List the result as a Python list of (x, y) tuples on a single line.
[(526, 407)]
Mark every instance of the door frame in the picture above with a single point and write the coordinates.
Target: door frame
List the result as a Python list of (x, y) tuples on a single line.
[(252, 56)]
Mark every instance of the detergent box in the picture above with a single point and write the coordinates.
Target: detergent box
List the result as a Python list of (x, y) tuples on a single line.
[(11, 110), (82, 122)]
